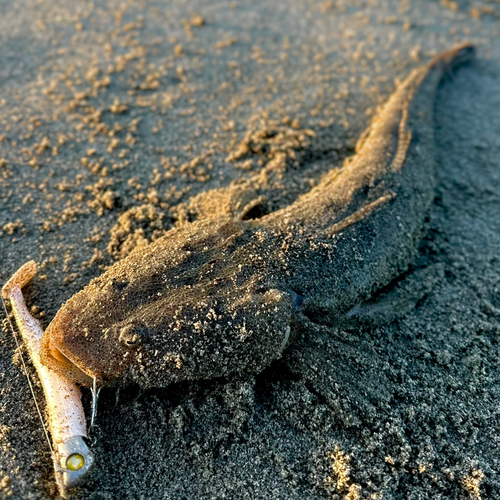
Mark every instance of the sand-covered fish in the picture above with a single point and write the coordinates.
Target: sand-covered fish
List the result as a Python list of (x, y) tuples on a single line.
[(218, 297)]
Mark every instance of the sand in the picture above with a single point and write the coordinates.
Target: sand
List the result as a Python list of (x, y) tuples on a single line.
[(113, 116)]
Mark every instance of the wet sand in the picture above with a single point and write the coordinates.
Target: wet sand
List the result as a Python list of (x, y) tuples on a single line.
[(113, 117)]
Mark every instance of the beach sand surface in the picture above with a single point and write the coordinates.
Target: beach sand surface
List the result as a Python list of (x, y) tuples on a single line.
[(114, 116)]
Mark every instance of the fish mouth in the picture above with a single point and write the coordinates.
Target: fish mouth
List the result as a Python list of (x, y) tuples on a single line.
[(54, 356)]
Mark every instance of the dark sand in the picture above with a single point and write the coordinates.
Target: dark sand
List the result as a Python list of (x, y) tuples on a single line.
[(404, 406)]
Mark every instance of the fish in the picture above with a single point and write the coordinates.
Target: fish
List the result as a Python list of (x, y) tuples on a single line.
[(219, 297)]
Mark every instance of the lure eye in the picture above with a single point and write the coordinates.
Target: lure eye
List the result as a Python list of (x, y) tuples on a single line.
[(132, 335), (75, 462)]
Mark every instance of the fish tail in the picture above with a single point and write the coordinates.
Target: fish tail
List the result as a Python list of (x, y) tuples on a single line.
[(454, 57)]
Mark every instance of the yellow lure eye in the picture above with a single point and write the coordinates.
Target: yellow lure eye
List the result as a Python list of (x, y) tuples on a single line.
[(75, 462)]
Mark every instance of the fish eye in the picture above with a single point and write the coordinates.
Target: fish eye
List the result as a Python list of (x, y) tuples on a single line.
[(132, 335)]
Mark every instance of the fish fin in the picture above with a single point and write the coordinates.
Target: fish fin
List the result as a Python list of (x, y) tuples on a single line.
[(397, 300), (363, 137), (360, 214)]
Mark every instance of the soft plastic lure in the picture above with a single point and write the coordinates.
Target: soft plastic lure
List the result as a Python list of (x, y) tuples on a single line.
[(67, 423)]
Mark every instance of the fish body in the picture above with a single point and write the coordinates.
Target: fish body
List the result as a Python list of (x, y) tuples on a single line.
[(217, 297)]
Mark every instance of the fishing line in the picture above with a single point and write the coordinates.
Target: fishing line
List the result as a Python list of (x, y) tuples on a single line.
[(18, 345), (95, 396)]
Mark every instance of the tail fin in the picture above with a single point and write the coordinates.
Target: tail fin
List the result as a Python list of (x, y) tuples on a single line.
[(454, 57)]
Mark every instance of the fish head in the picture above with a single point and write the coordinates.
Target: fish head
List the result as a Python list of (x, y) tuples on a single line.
[(84, 343), (173, 312)]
